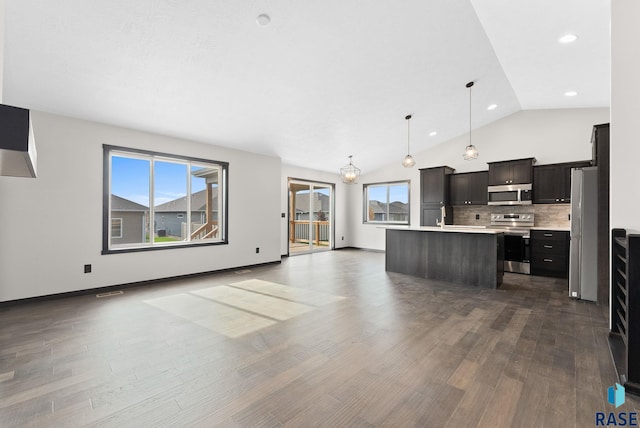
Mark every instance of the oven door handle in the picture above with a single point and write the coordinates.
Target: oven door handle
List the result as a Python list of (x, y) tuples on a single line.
[(526, 249)]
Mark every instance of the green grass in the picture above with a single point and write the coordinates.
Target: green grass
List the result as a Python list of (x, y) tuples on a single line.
[(165, 239)]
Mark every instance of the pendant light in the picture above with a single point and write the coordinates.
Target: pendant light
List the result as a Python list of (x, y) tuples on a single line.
[(408, 160), (470, 152), (350, 173)]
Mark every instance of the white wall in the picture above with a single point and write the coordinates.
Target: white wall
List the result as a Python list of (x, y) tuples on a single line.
[(341, 209), (550, 136), (1, 48), (625, 114), (51, 226)]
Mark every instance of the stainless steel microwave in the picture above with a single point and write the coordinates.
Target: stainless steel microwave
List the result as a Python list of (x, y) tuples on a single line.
[(510, 194)]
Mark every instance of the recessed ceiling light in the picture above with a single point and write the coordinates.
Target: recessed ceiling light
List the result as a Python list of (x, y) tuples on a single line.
[(433, 134), (492, 107), (263, 20), (570, 94), (568, 38)]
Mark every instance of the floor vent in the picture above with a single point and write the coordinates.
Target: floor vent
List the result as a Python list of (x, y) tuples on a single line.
[(243, 271), (109, 294)]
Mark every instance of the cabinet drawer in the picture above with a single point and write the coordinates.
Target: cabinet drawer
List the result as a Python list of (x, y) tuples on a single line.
[(549, 260), (549, 235), (549, 248), (547, 266)]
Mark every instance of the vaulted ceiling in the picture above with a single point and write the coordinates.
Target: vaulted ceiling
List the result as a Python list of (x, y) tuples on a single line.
[(323, 80)]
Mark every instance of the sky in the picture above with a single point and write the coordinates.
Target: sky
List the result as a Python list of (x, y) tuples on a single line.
[(397, 193), (130, 180)]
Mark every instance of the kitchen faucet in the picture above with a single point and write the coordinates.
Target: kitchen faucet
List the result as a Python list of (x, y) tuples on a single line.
[(443, 214)]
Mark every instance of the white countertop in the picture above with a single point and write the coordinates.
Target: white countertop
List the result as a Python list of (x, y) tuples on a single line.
[(470, 229), (451, 228)]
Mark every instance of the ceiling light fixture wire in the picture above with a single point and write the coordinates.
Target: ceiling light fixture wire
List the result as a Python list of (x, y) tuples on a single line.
[(470, 152), (408, 160)]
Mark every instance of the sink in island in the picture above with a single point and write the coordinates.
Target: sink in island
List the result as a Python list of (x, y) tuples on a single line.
[(463, 255)]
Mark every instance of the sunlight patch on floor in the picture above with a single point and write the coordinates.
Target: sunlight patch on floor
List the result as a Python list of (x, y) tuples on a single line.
[(308, 297), (222, 319), (254, 302), (243, 307)]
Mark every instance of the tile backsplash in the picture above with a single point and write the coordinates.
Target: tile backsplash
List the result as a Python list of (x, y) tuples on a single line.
[(547, 215)]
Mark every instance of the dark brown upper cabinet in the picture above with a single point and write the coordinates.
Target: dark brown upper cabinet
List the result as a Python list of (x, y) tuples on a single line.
[(552, 183), (434, 194), (468, 188), (434, 185), (511, 172)]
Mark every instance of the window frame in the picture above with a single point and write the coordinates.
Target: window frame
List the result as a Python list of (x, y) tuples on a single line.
[(388, 184), (120, 227), (223, 195)]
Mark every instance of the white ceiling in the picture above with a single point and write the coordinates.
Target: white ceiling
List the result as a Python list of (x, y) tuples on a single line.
[(326, 79)]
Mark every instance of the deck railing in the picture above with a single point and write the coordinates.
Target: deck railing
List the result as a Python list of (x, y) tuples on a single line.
[(299, 231), (201, 231)]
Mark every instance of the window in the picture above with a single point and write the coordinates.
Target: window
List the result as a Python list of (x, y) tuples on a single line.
[(386, 202), (116, 228), (155, 200)]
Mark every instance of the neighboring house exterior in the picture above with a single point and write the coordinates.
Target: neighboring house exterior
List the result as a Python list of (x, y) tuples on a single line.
[(170, 216), (128, 221), (321, 206), (398, 211)]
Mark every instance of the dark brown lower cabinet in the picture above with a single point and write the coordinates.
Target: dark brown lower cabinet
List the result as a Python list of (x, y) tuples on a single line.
[(550, 253), (470, 258)]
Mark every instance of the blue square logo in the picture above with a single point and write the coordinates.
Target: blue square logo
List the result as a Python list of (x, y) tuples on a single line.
[(615, 395)]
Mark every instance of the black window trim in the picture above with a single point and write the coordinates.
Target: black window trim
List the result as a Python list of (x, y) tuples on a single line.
[(106, 150), (365, 203)]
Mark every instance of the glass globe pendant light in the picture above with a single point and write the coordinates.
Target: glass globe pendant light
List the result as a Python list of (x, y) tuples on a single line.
[(408, 160), (470, 152)]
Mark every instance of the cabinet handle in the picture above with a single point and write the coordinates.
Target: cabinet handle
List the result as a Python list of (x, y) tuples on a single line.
[(548, 246), (562, 199), (548, 234), (548, 260), (557, 200)]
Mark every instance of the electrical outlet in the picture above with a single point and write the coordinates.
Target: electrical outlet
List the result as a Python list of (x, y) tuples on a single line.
[(343, 238), (257, 250), (477, 216), (283, 215), (87, 268)]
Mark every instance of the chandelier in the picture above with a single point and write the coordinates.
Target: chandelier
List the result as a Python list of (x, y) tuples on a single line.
[(350, 173)]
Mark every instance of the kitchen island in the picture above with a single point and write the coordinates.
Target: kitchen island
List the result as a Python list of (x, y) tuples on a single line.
[(460, 255)]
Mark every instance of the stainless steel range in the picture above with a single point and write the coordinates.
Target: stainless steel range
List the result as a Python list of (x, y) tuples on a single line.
[(517, 240)]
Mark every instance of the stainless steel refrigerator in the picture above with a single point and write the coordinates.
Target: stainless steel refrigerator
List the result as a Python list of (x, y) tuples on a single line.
[(583, 257)]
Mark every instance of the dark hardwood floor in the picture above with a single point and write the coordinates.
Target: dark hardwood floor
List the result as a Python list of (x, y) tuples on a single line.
[(327, 339)]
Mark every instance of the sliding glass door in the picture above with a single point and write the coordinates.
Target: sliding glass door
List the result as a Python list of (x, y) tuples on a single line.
[(310, 216)]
